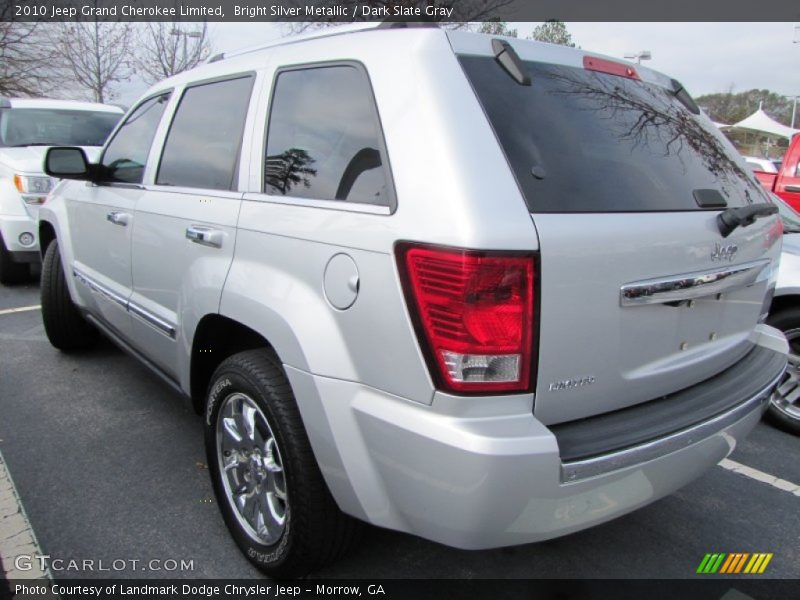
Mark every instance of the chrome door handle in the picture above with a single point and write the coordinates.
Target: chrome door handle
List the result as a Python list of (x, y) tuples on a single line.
[(118, 218), (204, 236), (793, 188)]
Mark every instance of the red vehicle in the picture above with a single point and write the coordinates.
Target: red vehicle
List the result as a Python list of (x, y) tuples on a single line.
[(786, 182)]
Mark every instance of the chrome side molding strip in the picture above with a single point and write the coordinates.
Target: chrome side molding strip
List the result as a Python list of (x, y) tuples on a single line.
[(99, 288), (148, 317), (152, 320), (599, 465), (679, 288)]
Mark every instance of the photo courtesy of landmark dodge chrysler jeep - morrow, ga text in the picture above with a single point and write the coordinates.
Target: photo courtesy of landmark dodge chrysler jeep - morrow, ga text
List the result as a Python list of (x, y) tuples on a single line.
[(27, 128), (368, 259)]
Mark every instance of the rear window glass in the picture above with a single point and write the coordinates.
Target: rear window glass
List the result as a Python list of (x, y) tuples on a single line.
[(583, 141), (323, 139)]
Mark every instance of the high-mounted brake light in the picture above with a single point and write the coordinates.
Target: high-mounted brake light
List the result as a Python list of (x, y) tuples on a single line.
[(601, 65), (474, 315)]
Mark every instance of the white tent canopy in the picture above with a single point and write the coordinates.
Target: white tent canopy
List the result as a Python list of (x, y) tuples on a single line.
[(761, 121)]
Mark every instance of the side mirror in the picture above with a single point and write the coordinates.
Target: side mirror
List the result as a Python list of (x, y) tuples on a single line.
[(67, 163)]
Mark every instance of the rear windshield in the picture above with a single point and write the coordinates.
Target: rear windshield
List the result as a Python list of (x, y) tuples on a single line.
[(54, 127), (583, 141)]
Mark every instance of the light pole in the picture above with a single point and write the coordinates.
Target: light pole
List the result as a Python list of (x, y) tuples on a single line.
[(185, 35), (639, 56)]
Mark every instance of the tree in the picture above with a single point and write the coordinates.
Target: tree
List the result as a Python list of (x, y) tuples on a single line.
[(24, 58), (553, 32), (497, 28), (96, 55), (165, 49), (463, 12), (729, 108)]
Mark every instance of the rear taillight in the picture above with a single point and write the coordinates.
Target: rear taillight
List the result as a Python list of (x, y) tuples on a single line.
[(474, 315)]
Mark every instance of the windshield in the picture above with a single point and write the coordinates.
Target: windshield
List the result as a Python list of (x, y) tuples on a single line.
[(584, 141), (55, 127)]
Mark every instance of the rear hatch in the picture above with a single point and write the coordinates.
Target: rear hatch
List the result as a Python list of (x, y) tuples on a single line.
[(624, 182)]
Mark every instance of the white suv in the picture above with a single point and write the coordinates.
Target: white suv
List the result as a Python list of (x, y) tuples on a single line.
[(486, 291), (27, 128)]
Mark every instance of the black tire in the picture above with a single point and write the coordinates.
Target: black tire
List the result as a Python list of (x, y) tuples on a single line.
[(11, 272), (788, 321), (64, 325), (316, 532)]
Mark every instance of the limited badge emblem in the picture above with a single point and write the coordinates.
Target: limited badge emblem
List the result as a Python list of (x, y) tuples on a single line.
[(569, 384), (727, 252)]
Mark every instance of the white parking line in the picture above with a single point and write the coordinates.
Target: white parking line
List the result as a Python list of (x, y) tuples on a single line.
[(776, 482), (16, 535), (9, 311)]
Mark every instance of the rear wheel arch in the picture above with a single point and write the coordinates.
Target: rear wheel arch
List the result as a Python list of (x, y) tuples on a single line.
[(217, 338)]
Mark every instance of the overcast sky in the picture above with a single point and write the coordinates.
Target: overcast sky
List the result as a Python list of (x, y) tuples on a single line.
[(705, 57)]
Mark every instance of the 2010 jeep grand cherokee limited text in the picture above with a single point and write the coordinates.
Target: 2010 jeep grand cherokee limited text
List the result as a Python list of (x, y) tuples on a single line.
[(486, 291)]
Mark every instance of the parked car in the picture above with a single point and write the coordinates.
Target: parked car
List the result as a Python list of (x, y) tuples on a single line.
[(784, 408), (367, 259), (27, 128), (764, 165), (785, 182)]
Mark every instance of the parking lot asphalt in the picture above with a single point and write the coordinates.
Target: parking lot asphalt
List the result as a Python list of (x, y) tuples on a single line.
[(109, 464)]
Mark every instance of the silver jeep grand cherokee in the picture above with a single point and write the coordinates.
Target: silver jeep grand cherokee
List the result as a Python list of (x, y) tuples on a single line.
[(486, 291)]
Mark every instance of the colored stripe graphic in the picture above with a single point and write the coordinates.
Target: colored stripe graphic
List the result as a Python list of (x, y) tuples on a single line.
[(728, 564), (765, 563), (734, 563)]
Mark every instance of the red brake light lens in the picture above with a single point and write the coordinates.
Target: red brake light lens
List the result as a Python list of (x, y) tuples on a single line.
[(474, 314), (601, 65)]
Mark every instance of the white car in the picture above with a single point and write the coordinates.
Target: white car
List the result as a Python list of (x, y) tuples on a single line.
[(27, 128), (766, 165)]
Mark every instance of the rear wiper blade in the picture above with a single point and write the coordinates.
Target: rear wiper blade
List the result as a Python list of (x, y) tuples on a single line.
[(508, 58), (732, 218)]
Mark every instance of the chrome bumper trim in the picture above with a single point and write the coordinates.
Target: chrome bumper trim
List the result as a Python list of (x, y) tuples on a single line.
[(599, 465)]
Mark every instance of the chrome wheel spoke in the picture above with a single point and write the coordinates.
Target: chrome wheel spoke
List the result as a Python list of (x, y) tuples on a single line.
[(276, 507)]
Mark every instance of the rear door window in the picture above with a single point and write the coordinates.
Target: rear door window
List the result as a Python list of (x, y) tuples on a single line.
[(584, 141), (205, 138), (324, 141), (126, 155)]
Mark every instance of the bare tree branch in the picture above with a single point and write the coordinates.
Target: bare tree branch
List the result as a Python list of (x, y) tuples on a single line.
[(165, 49), (25, 57), (463, 11), (96, 55)]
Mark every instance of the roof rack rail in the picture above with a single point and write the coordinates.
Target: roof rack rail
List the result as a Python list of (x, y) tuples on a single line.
[(391, 24), (322, 33)]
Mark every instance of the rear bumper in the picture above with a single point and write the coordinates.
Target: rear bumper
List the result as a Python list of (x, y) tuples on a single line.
[(11, 228), (482, 482)]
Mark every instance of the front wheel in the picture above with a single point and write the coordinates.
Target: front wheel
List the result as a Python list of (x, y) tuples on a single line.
[(64, 325), (267, 483), (784, 408)]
